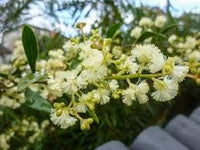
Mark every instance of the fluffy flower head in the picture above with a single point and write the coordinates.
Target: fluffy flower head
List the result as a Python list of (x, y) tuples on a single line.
[(166, 89), (160, 21)]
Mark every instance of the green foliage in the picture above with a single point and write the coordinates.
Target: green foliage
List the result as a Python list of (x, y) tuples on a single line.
[(3, 75), (35, 101), (47, 43), (75, 61), (112, 30), (168, 28), (93, 115), (148, 34), (9, 113), (29, 79), (30, 46)]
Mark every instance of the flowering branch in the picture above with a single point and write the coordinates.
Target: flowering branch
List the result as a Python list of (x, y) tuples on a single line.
[(135, 76), (82, 75), (192, 76)]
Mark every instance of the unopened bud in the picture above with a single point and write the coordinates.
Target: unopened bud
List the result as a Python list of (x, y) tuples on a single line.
[(85, 124), (62, 104), (107, 42), (56, 105), (80, 25), (96, 45), (115, 95), (59, 112), (91, 106)]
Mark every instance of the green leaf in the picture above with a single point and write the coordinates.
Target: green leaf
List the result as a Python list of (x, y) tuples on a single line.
[(3, 75), (113, 29), (30, 46), (148, 34), (166, 29), (29, 79), (170, 17), (75, 62), (35, 101), (8, 112), (93, 115)]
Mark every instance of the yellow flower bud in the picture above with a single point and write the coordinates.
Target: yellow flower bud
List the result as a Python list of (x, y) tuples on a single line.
[(96, 45), (91, 106), (80, 25), (95, 100), (85, 124), (108, 42), (115, 95), (56, 105), (58, 112), (62, 104)]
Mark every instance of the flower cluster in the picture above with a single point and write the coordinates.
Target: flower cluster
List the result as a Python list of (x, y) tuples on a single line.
[(10, 96), (90, 72), (26, 128), (186, 49), (98, 68), (146, 24)]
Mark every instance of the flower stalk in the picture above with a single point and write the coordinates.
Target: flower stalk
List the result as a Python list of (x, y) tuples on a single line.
[(119, 77)]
